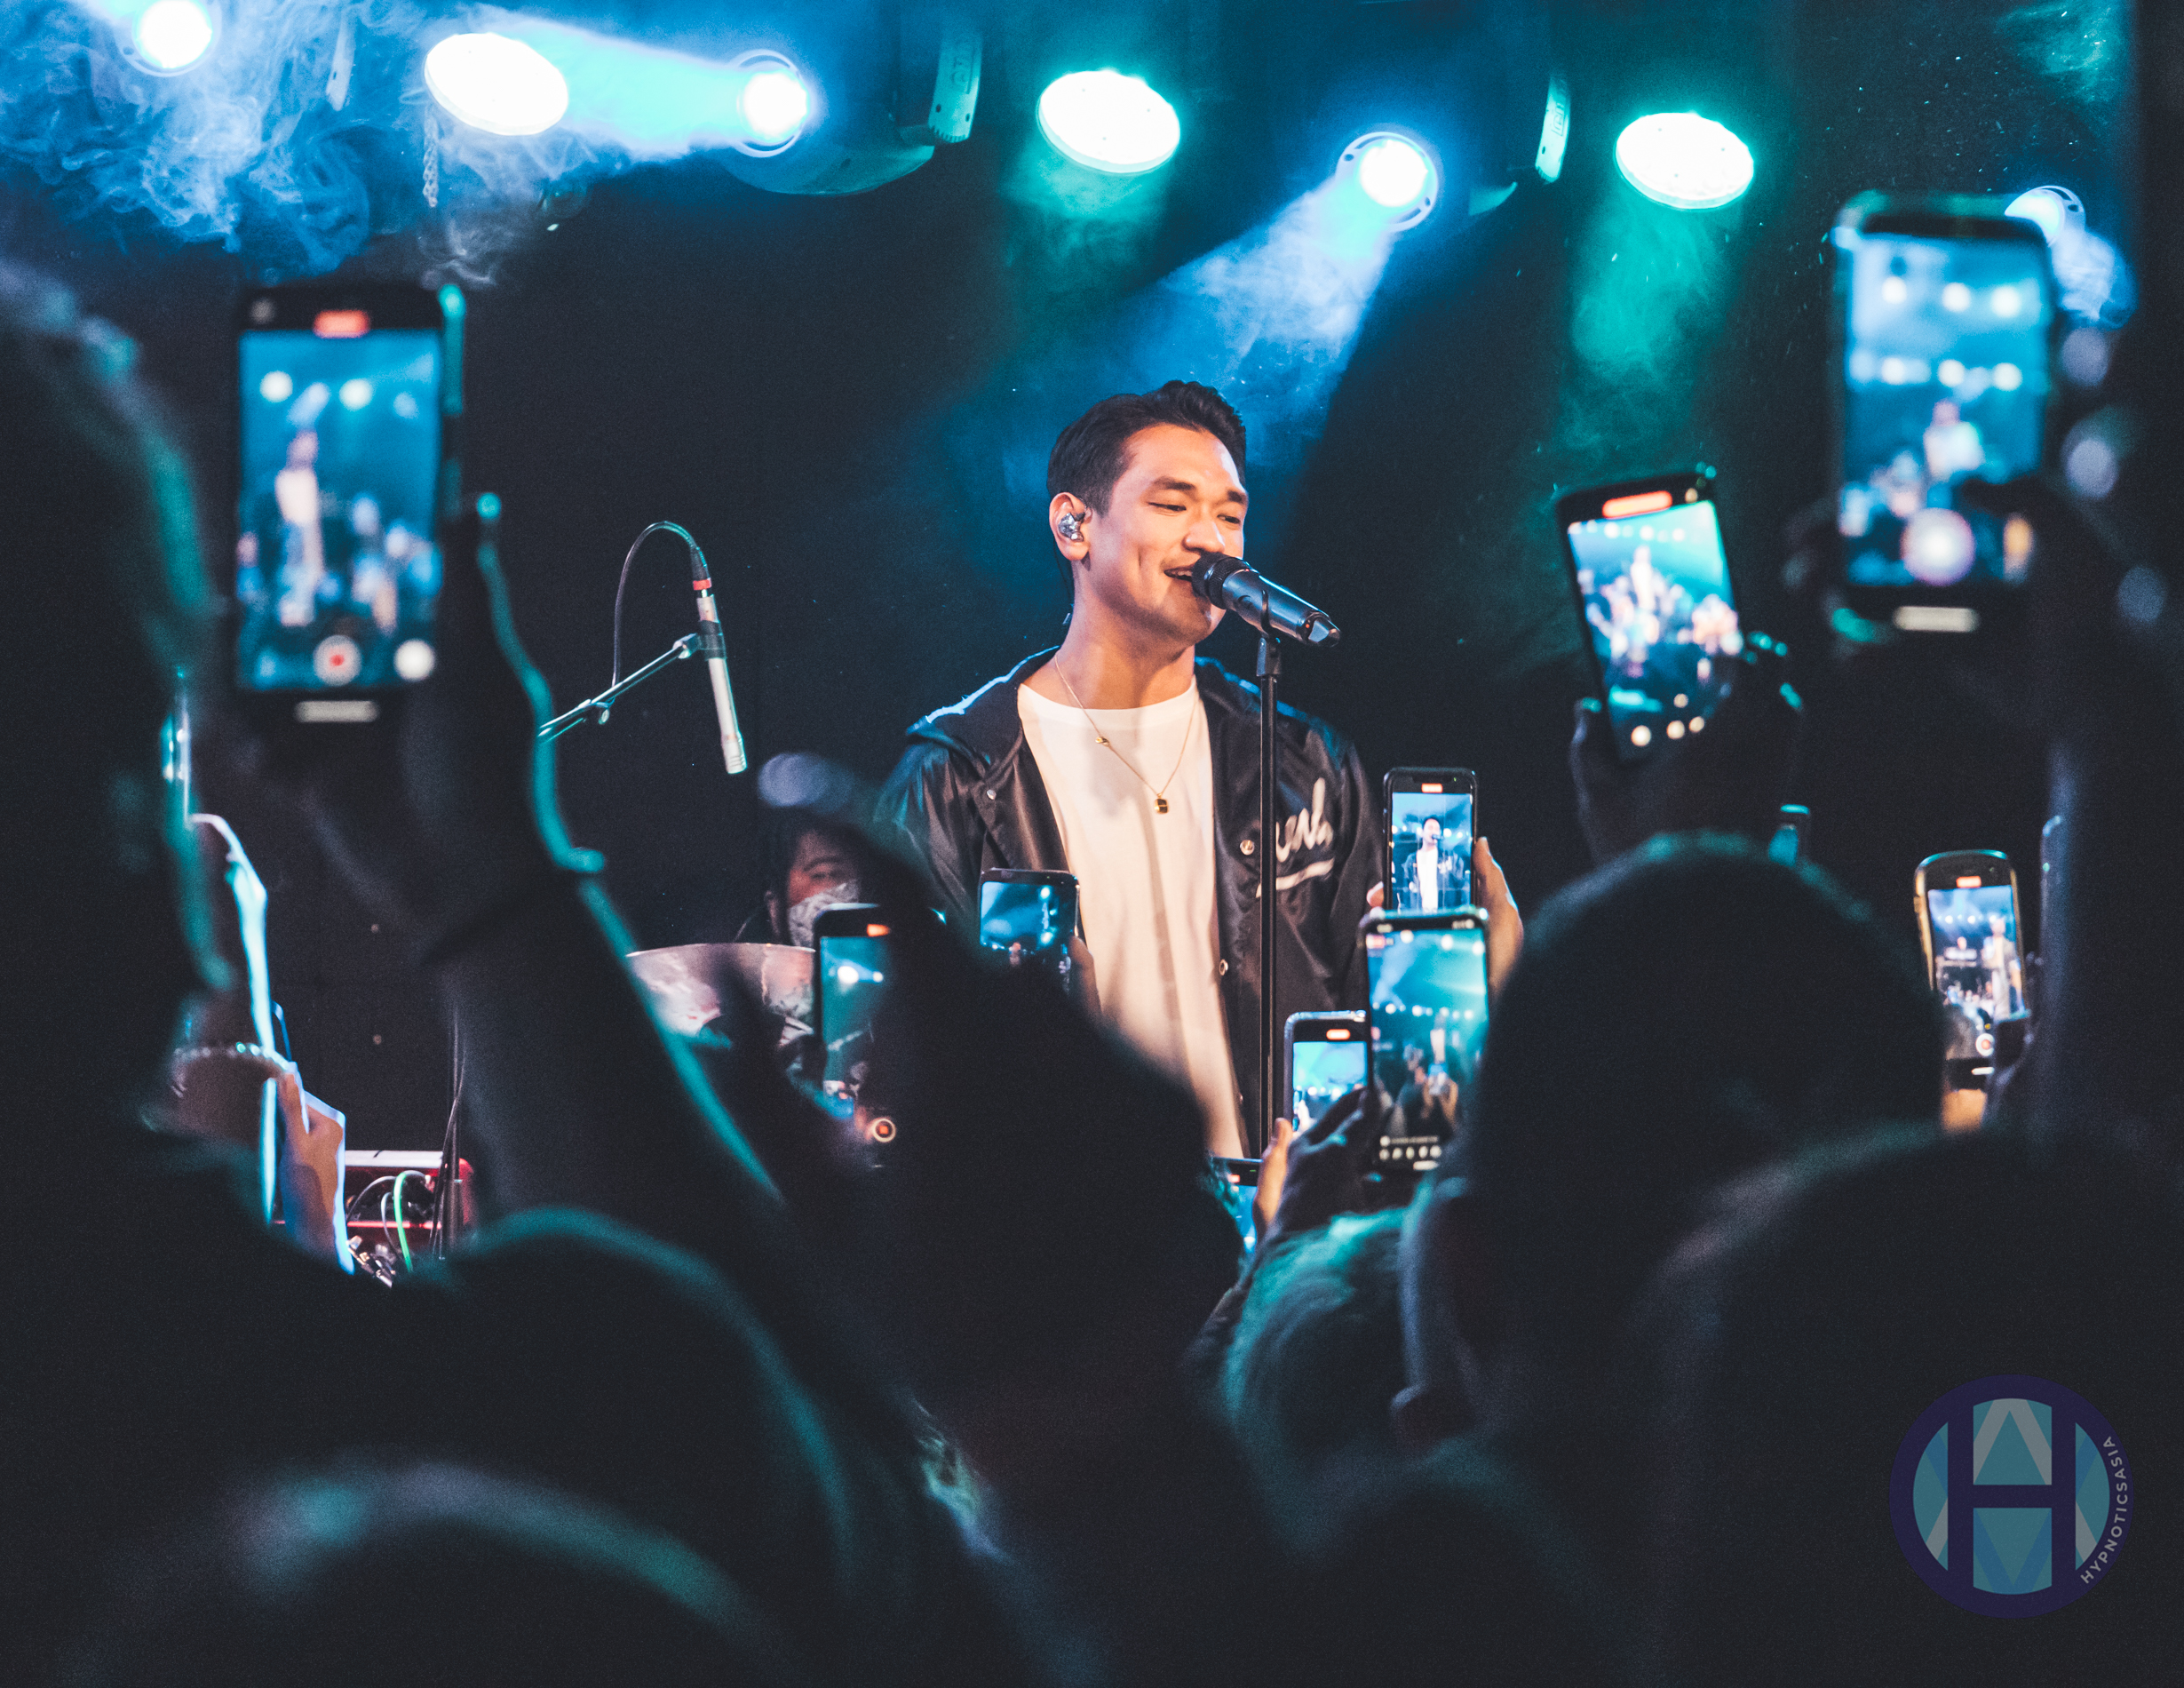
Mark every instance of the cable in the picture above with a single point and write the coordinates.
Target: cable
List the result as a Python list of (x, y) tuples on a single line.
[(621, 586), (402, 1233), (447, 1193)]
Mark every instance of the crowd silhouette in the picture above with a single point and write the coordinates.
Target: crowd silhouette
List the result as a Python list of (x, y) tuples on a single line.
[(714, 1392)]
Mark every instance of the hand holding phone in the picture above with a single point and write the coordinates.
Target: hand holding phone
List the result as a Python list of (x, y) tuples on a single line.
[(1731, 779)]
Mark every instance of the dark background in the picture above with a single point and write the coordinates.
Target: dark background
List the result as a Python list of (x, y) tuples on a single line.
[(849, 401)]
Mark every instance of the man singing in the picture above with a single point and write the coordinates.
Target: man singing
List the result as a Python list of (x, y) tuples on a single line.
[(1121, 759), (1433, 874)]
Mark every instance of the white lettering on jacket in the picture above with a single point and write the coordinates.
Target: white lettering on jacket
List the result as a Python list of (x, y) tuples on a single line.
[(1305, 830)]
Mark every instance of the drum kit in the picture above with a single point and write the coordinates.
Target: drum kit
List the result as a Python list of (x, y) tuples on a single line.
[(688, 982)]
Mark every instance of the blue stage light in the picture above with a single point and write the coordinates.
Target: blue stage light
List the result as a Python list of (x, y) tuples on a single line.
[(173, 35), (1683, 160), (774, 104), (1107, 122), (1393, 172), (1391, 181), (491, 82)]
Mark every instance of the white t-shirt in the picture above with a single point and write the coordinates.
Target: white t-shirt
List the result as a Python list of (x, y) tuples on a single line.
[(1145, 881), (1426, 865)]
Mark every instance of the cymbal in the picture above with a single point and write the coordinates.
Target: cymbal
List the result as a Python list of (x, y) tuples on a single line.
[(686, 981)]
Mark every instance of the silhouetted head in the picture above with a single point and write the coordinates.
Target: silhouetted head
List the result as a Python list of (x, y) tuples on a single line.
[(438, 1574), (1318, 1354), (1787, 1350), (104, 609), (1691, 1012)]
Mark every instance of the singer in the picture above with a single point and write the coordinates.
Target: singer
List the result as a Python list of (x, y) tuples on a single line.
[(1127, 761)]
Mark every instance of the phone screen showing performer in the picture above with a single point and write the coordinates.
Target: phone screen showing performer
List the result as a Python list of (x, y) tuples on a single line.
[(1945, 381), (1978, 964), (1429, 833), (853, 964), (1426, 983), (1653, 584), (337, 554)]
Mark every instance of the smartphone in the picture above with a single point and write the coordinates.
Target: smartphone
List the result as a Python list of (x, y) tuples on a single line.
[(1326, 1057), (1027, 916), (1793, 821), (1652, 585), (1426, 988), (1945, 324), (854, 962), (349, 396), (1428, 815), (1968, 926)]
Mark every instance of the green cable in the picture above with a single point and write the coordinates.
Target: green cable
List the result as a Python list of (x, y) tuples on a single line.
[(402, 1234)]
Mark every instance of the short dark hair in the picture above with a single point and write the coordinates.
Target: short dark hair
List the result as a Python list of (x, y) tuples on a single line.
[(1088, 459), (1677, 1019)]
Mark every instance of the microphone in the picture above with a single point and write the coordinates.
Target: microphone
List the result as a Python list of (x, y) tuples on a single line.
[(713, 646), (1228, 583)]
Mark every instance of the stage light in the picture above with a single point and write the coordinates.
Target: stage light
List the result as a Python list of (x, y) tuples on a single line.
[(1554, 129), (1107, 122), (1396, 177), (774, 103), (2051, 208), (1683, 160), (2092, 281), (173, 35), (1393, 172), (497, 85)]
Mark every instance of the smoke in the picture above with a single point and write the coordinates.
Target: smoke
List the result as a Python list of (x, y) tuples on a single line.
[(306, 135), (1269, 320)]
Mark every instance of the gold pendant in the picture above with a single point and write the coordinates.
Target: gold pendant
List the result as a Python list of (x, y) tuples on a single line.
[(1160, 804)]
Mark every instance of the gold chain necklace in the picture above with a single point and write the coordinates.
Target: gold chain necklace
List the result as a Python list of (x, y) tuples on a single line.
[(1160, 791)]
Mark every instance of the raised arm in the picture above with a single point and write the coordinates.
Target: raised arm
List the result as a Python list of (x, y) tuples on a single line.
[(442, 817)]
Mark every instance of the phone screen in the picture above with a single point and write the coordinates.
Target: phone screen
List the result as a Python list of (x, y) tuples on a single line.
[(337, 564), (1321, 1073), (1946, 381), (1978, 966), (1428, 994), (1655, 585), (853, 977), (1026, 920), (1429, 850)]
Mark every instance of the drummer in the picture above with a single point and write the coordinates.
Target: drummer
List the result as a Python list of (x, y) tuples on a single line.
[(810, 865)]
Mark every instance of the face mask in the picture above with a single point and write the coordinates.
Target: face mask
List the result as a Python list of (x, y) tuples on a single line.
[(802, 914)]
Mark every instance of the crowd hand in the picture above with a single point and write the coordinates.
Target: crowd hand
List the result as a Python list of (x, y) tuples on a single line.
[(1273, 1174), (441, 810), (218, 1095), (1731, 779), (2104, 679), (1489, 890), (309, 1171), (1325, 1172)]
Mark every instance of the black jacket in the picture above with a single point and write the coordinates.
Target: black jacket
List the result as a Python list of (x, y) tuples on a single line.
[(967, 796)]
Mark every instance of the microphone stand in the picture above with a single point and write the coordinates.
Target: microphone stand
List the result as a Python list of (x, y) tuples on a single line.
[(597, 709)]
